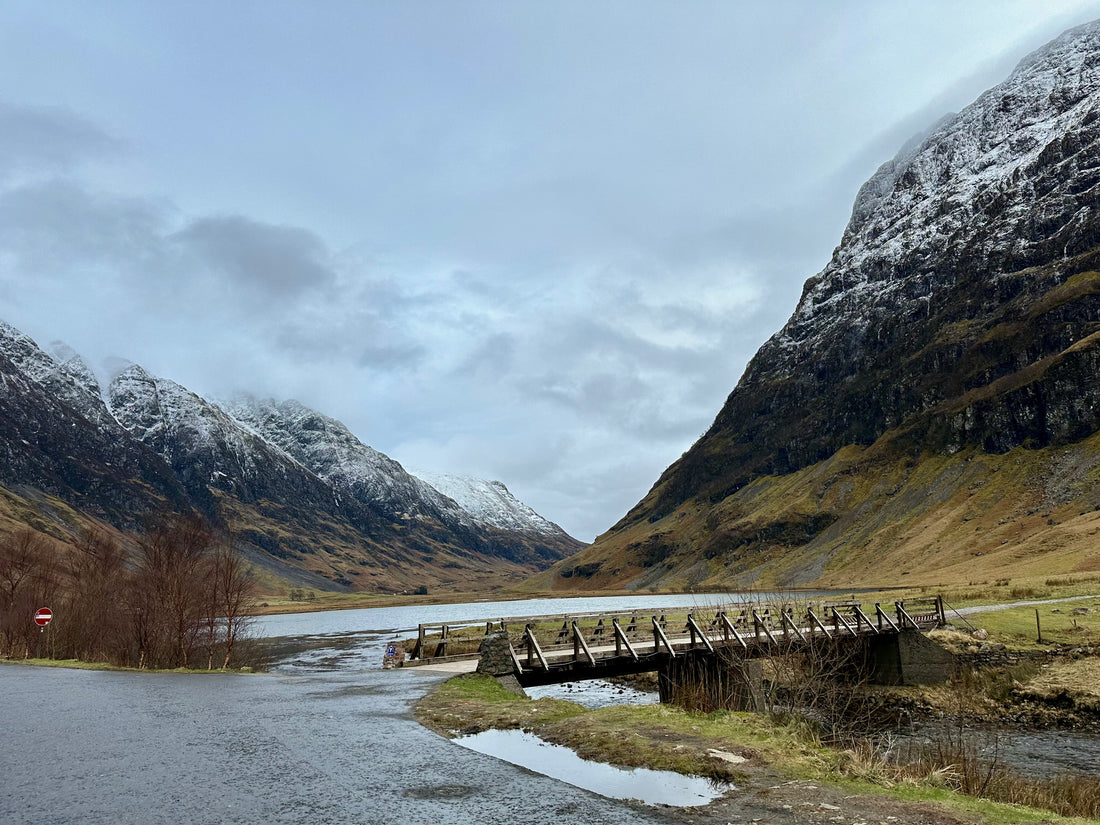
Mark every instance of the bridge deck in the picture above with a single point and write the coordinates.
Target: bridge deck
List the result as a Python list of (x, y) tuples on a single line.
[(597, 645)]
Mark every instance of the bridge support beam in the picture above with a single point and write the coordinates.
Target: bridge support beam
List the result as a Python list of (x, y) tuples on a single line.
[(706, 681), (908, 658)]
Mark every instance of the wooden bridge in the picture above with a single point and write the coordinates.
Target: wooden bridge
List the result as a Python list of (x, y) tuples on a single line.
[(563, 648)]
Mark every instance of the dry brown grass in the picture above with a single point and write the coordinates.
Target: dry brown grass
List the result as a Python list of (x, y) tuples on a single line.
[(1077, 680)]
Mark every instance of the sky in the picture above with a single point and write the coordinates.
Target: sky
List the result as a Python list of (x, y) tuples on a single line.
[(535, 242)]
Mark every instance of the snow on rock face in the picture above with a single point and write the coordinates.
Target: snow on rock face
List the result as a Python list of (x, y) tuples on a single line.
[(490, 503), (332, 451), (1005, 183), (265, 449), (194, 435), (65, 374), (938, 289)]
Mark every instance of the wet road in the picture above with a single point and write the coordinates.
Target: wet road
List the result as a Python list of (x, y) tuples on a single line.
[(338, 747)]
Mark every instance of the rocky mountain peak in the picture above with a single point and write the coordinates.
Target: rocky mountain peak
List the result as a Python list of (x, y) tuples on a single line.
[(959, 313), (1005, 184), (62, 372), (329, 449)]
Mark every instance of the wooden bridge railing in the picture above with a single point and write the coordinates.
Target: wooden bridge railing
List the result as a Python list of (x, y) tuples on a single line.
[(590, 637)]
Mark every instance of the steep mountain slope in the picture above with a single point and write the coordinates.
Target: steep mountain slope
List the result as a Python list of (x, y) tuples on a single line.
[(304, 497), (57, 440), (956, 326), (330, 450)]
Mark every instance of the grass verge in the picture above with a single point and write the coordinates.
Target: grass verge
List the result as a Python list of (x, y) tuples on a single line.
[(666, 738)]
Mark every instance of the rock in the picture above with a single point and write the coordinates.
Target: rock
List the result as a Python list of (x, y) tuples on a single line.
[(511, 684), (957, 315), (1080, 611), (981, 634), (726, 756)]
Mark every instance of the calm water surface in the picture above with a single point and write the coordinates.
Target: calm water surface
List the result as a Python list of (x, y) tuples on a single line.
[(650, 787)]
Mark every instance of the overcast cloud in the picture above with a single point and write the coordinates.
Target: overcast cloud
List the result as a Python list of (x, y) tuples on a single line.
[(532, 242)]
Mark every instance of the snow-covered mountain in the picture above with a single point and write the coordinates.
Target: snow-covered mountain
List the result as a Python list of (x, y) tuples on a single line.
[(332, 451), (297, 487), (957, 320), (490, 502), (62, 372), (482, 511), (1007, 183)]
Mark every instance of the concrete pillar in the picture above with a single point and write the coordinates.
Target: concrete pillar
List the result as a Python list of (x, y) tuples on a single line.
[(909, 658)]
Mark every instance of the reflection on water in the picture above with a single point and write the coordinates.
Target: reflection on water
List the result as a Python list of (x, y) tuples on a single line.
[(557, 762)]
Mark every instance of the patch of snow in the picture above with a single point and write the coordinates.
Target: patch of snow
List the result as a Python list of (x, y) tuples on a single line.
[(490, 502)]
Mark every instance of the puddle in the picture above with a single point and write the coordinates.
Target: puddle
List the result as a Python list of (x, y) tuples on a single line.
[(558, 762)]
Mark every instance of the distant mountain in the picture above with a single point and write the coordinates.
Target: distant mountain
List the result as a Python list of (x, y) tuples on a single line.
[(490, 503), (306, 499), (931, 409)]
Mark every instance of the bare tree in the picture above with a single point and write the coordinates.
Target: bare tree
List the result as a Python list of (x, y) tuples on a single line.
[(95, 624), (235, 594), (170, 581)]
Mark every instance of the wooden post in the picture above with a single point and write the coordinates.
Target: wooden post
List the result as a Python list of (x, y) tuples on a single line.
[(533, 645), (819, 623), (659, 636), (861, 615), (1038, 629), (579, 644), (696, 629), (731, 629), (620, 637)]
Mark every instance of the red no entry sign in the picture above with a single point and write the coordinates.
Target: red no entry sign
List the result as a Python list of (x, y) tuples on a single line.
[(42, 616)]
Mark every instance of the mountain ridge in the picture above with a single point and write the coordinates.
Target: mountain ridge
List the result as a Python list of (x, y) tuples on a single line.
[(958, 312), (144, 445)]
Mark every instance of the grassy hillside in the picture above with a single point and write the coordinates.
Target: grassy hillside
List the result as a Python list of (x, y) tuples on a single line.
[(867, 517)]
